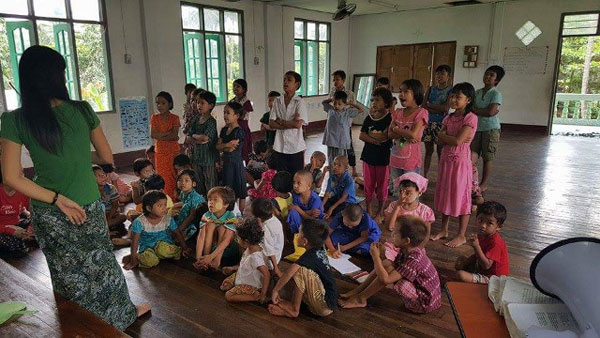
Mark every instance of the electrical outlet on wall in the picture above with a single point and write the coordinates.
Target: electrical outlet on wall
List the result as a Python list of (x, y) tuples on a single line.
[(256, 61), (127, 58)]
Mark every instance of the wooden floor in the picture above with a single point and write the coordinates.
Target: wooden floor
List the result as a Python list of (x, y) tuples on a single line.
[(548, 184)]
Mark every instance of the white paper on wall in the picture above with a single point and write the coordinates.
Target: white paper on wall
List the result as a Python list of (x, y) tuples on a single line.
[(526, 60)]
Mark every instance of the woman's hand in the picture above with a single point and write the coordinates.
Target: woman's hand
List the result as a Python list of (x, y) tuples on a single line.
[(74, 212)]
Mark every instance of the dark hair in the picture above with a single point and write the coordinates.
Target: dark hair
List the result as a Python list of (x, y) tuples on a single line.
[(408, 184), (108, 168), (141, 163), (296, 76), (150, 150), (242, 83), (384, 81), (443, 68), (340, 95), (262, 208), (340, 73), (154, 182), (205, 95), (315, 231), (385, 94), (353, 211), (412, 227), (283, 182), (166, 96), (467, 90), (416, 87), (227, 195), (260, 146), (273, 93), (41, 79), (492, 208), (96, 167), (236, 107), (499, 72), (189, 87), (192, 174), (250, 230), (150, 198), (181, 160)]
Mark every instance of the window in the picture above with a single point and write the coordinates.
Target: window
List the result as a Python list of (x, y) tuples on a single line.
[(528, 32), (74, 28), (311, 56), (581, 24), (212, 48)]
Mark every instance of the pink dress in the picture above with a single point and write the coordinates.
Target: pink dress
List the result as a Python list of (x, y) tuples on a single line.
[(407, 155), (422, 211), (266, 190), (455, 171)]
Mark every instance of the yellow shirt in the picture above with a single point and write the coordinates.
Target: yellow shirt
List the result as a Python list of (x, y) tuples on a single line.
[(283, 204)]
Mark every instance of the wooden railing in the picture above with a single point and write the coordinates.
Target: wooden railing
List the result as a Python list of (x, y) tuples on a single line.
[(578, 109)]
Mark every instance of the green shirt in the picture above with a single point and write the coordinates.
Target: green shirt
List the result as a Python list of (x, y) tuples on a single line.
[(70, 172), (486, 123), (204, 155)]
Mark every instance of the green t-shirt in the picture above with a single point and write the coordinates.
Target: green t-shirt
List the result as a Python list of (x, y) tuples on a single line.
[(70, 172)]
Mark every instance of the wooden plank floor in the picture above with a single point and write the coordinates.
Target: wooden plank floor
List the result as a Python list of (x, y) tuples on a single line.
[(548, 184)]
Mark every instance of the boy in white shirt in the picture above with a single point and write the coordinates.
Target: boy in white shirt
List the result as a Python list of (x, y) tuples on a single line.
[(273, 241)]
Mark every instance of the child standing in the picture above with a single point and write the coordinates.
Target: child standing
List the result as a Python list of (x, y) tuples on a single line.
[(407, 130), (317, 161), (240, 89), (251, 280), (14, 221), (190, 200), (287, 117), (282, 184), (487, 106), (203, 134), (218, 221), (412, 274), (274, 239), (339, 78), (189, 113), (123, 188), (352, 231), (151, 233), (491, 255), (376, 152), (264, 121), (455, 170), (383, 82), (165, 131), (340, 188), (337, 136), (314, 282), (230, 143), (436, 103)]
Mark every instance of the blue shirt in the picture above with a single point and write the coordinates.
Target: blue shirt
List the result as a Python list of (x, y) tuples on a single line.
[(337, 186), (228, 219), (190, 201), (151, 234), (314, 202), (366, 224), (438, 96), (486, 123), (337, 129)]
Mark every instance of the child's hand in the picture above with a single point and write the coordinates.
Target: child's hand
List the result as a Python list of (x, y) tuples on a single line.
[(325, 169), (132, 263), (328, 213), (275, 297), (473, 241), (21, 233), (314, 213), (135, 185), (375, 249)]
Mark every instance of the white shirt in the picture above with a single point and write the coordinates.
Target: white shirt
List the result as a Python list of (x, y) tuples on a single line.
[(273, 240), (248, 272), (289, 141)]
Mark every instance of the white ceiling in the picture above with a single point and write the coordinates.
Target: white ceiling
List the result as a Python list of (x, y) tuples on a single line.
[(368, 6)]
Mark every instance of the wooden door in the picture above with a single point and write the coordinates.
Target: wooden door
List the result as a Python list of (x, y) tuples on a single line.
[(403, 65), (385, 61), (444, 53), (423, 56)]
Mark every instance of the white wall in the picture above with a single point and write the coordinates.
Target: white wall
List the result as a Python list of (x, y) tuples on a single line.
[(527, 98)]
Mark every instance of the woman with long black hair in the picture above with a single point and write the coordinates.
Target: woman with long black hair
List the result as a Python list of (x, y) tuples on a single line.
[(67, 216)]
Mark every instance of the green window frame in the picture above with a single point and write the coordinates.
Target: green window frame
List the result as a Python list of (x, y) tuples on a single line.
[(16, 33), (312, 56), (210, 61), (64, 45)]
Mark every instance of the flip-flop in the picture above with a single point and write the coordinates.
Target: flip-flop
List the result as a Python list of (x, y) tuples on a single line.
[(9, 309)]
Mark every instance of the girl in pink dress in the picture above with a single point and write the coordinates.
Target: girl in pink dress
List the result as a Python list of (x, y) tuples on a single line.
[(455, 171), (406, 130)]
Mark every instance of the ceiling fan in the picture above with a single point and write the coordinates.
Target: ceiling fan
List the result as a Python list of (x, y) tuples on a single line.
[(343, 10)]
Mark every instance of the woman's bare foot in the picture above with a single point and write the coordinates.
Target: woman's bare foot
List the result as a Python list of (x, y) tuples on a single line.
[(275, 310), (353, 303), (142, 309), (440, 235), (348, 294), (456, 242)]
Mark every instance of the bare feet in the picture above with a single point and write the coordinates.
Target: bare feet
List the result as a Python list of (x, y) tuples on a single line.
[(142, 309), (440, 235), (352, 303), (275, 310), (348, 294), (456, 242)]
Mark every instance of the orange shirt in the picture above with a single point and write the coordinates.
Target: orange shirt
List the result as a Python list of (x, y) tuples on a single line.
[(164, 125)]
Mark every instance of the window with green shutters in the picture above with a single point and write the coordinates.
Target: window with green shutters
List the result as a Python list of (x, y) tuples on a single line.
[(212, 48), (64, 45), (20, 36), (311, 56)]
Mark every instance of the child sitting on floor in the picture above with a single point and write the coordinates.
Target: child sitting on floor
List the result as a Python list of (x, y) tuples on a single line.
[(250, 282), (491, 255), (123, 188), (283, 185), (340, 188), (151, 239), (273, 240), (352, 231), (152, 182), (15, 223), (142, 168), (264, 186), (257, 163), (314, 282), (412, 274), (190, 200), (110, 199), (181, 162), (218, 221), (317, 161)]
